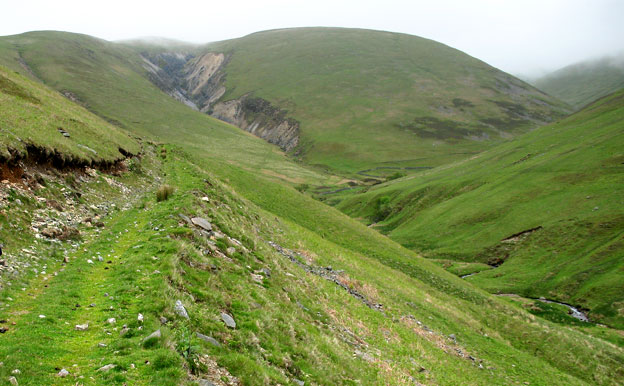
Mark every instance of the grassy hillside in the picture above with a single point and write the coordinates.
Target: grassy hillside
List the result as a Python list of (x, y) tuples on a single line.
[(36, 120), (292, 323), (109, 79), (317, 297), (560, 183), (582, 83), (370, 98)]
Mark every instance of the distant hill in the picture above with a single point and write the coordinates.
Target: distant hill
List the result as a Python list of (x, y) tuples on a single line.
[(545, 208), (583, 83), (349, 99)]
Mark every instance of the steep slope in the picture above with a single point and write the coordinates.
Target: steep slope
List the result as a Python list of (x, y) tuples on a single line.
[(351, 99), (547, 206), (582, 83), (38, 123), (110, 80)]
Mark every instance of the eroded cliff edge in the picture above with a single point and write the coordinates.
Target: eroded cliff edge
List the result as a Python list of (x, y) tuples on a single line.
[(199, 82)]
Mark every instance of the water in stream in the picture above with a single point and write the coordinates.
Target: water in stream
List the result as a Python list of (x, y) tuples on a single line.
[(574, 312)]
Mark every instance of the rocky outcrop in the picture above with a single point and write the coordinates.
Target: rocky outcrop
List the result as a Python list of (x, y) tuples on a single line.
[(199, 82), (164, 71), (260, 118), (204, 78)]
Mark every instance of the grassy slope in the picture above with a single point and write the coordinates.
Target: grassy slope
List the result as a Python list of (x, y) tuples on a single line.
[(108, 79), (583, 83), (566, 177), (293, 325), (356, 92), (281, 340), (34, 114)]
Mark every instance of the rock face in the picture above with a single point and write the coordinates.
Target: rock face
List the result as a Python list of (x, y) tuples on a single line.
[(260, 118), (199, 82)]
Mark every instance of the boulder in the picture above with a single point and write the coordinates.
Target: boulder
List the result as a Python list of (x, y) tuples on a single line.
[(180, 310), (228, 320), (202, 223), (106, 368), (154, 335), (208, 339)]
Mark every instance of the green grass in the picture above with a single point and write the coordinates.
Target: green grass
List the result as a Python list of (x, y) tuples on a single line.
[(582, 83), (291, 325), (565, 177), (109, 79), (360, 95), (32, 115)]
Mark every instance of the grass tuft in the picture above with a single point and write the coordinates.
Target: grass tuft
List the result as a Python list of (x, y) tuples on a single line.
[(164, 192)]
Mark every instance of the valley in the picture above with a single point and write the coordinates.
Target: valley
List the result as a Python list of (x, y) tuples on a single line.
[(369, 208)]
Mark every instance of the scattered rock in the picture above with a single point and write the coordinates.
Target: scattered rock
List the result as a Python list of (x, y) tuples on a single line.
[(51, 232), (230, 251), (102, 345), (452, 336), (124, 330), (205, 382), (111, 320), (202, 223), (82, 327), (185, 218), (180, 310), (208, 339), (154, 335), (228, 320), (13, 381), (16, 372), (63, 373), (299, 382), (257, 278), (140, 318), (41, 316), (3, 330), (163, 320), (106, 368)]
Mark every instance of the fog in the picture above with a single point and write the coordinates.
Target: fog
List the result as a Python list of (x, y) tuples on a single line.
[(525, 38)]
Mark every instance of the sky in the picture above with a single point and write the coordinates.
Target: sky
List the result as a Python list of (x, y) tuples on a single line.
[(527, 37)]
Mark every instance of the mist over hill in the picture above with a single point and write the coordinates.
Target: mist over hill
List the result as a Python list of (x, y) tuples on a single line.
[(582, 83)]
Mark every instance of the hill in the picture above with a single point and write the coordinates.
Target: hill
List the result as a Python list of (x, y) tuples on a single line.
[(110, 80), (545, 209), (38, 123), (582, 83), (277, 289), (351, 99)]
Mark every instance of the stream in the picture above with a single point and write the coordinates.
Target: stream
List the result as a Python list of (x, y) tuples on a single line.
[(573, 311)]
